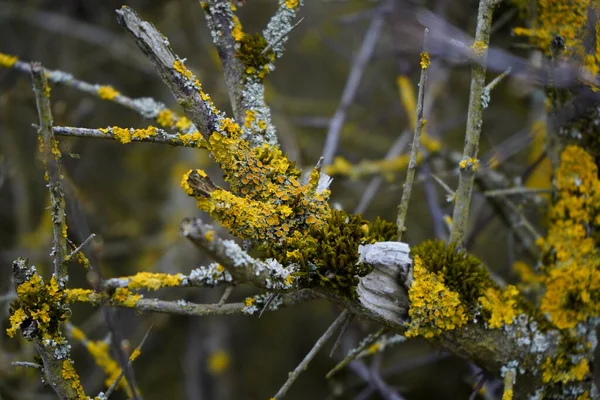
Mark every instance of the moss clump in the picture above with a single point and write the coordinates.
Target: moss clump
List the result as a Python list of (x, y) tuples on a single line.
[(328, 255), (463, 273), (252, 56)]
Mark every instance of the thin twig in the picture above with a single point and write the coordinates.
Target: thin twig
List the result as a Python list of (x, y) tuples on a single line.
[(369, 340), (225, 295), (311, 354), (27, 364), (115, 383), (474, 121), (414, 150), (358, 66), (145, 106), (478, 387), (516, 191), (81, 246), (343, 330)]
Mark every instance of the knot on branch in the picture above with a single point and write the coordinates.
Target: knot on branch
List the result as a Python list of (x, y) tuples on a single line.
[(382, 291)]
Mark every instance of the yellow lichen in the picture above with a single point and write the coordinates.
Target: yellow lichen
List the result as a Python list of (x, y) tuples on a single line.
[(123, 135), (479, 47), (562, 370), (107, 92), (125, 297), (425, 60), (573, 276), (68, 373), (502, 305), (153, 280), (433, 307), (291, 4), (15, 320), (7, 60), (469, 162), (218, 362), (165, 118), (237, 33)]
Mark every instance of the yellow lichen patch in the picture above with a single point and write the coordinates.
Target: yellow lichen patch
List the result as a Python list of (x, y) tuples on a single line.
[(425, 60), (125, 297), (80, 295), (469, 162), (185, 180), (68, 373), (479, 48), (291, 4), (6, 60), (271, 202), (153, 280), (123, 135), (249, 301), (166, 118), (237, 33), (194, 139), (143, 133), (573, 272), (566, 19), (15, 321), (183, 123), (502, 305), (210, 235), (433, 307), (107, 92), (218, 362), (562, 370)]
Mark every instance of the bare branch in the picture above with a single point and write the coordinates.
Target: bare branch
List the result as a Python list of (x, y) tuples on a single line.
[(358, 66)]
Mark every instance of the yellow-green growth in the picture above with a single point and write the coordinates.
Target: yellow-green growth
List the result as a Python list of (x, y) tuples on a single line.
[(39, 305), (572, 260), (328, 255), (434, 307), (463, 273), (250, 54), (501, 305), (266, 200), (153, 280)]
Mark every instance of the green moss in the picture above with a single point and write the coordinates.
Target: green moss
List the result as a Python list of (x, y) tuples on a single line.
[(328, 256), (251, 54), (463, 273)]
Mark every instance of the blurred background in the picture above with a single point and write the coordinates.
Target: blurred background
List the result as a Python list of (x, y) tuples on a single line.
[(129, 195)]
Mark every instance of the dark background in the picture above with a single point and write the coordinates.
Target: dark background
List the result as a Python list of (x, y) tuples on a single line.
[(129, 195)]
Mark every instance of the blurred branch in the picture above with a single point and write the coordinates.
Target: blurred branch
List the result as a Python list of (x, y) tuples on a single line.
[(352, 84), (312, 353), (65, 25)]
